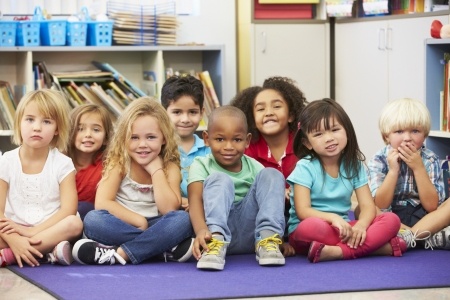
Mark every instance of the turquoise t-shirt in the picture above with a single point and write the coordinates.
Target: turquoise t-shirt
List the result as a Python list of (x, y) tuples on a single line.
[(328, 194), (202, 167), (186, 159)]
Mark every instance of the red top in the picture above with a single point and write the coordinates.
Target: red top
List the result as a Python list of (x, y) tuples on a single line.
[(87, 180), (260, 151)]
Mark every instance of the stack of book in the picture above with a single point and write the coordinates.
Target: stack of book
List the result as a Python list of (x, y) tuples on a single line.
[(102, 85), (143, 24), (445, 96), (7, 106)]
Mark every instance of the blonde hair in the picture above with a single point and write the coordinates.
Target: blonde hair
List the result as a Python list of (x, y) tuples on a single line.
[(117, 154), (52, 104), (404, 113), (75, 117)]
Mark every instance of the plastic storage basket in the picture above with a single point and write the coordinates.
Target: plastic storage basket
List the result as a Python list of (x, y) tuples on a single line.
[(76, 33), (8, 33), (28, 33), (53, 32), (100, 33)]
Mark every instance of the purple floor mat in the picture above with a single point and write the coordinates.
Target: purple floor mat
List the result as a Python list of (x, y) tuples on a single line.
[(242, 277)]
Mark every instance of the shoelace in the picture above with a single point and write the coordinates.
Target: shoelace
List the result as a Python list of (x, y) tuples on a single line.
[(103, 255), (430, 241), (271, 243), (215, 246), (412, 237)]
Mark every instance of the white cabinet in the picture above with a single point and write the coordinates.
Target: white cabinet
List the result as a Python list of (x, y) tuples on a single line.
[(298, 51), (130, 61), (376, 61)]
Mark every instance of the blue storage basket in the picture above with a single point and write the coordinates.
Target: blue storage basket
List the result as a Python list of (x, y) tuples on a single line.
[(53, 32), (8, 33), (76, 33), (28, 33), (100, 33)]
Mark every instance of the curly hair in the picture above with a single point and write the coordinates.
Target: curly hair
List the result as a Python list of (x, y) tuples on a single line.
[(178, 86), (117, 154), (75, 117), (285, 86)]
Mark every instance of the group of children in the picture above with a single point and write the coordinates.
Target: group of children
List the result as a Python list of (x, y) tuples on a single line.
[(272, 175)]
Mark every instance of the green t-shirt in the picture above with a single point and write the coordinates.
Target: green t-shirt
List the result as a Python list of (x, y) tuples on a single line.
[(202, 167)]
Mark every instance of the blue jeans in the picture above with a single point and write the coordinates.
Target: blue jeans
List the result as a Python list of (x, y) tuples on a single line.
[(163, 233), (241, 223)]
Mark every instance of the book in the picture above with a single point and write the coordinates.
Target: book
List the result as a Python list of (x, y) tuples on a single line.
[(206, 78), (110, 103), (7, 99), (120, 92), (118, 76), (6, 121), (74, 94)]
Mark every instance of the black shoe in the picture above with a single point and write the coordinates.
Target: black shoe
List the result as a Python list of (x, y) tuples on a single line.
[(89, 252), (182, 252)]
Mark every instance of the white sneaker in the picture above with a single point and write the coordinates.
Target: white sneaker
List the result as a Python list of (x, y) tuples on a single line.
[(439, 240), (61, 254), (268, 251)]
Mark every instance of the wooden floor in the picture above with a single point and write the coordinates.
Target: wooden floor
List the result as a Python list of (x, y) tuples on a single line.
[(13, 287)]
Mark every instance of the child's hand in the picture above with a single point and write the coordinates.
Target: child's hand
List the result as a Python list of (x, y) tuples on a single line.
[(287, 250), (201, 241), (24, 250), (344, 228), (358, 236), (393, 159), (410, 155), (8, 226), (185, 203)]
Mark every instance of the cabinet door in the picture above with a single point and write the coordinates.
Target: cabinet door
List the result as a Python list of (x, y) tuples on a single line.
[(361, 76), (298, 51), (406, 43)]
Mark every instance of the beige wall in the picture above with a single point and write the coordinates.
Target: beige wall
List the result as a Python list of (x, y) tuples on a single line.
[(244, 16)]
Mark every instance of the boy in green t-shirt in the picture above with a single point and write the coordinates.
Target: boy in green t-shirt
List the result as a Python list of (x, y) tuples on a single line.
[(235, 204)]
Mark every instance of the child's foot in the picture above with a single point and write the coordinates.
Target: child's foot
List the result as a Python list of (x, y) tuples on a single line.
[(320, 252), (439, 240), (61, 254), (268, 251), (410, 237), (89, 252), (214, 259), (7, 257), (182, 252)]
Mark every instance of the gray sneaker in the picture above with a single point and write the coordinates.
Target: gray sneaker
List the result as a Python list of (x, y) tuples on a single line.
[(439, 240), (214, 259), (410, 237), (268, 251)]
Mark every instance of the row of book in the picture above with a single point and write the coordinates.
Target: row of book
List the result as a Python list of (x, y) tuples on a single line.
[(7, 106), (445, 96), (102, 85)]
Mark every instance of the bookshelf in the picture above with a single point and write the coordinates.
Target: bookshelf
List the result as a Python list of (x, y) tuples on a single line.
[(131, 61), (438, 141)]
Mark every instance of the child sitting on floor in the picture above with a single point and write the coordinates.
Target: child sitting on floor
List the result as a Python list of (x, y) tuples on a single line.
[(236, 205)]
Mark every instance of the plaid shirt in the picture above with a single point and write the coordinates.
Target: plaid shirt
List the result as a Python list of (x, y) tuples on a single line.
[(406, 188)]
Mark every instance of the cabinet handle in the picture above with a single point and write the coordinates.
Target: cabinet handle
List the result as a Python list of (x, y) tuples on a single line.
[(389, 35), (381, 39), (264, 41)]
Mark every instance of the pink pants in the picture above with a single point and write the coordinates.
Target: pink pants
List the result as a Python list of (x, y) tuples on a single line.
[(382, 229)]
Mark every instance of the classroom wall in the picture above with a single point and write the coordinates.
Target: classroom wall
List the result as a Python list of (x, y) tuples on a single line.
[(210, 22)]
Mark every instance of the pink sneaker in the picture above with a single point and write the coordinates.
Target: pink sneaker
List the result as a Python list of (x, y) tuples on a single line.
[(61, 254), (7, 257), (398, 245)]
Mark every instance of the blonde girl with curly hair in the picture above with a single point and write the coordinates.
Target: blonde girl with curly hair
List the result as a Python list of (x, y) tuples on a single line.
[(137, 214)]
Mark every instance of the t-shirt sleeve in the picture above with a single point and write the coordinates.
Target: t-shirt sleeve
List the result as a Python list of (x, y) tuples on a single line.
[(5, 167), (302, 174), (198, 170), (361, 179), (65, 166)]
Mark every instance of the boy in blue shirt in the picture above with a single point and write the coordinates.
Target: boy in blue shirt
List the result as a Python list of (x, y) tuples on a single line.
[(235, 204), (182, 97)]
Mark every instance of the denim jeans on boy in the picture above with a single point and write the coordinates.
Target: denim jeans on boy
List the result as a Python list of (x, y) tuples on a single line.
[(241, 223), (163, 233)]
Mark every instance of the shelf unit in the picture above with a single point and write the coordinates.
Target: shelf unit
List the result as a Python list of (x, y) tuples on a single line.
[(438, 141), (130, 61)]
